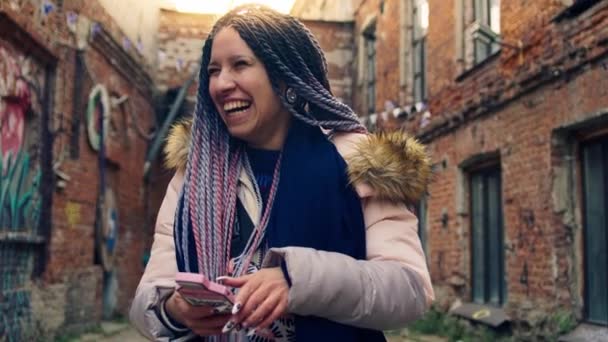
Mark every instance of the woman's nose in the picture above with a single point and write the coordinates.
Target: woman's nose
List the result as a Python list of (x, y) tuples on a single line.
[(225, 81)]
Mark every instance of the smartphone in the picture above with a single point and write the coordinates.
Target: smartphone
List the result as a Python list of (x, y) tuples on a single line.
[(198, 290)]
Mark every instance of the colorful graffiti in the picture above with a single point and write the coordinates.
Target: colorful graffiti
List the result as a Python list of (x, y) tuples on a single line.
[(16, 99), (19, 175), (98, 107), (19, 183)]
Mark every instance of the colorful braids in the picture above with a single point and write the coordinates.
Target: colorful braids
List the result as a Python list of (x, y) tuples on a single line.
[(216, 160)]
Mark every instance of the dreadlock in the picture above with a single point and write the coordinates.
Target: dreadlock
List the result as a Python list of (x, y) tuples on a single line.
[(292, 58)]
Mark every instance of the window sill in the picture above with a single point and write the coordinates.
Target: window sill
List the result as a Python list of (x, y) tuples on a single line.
[(575, 10), (479, 66)]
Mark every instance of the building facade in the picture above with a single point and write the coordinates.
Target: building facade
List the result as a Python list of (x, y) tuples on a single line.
[(510, 97), (76, 116)]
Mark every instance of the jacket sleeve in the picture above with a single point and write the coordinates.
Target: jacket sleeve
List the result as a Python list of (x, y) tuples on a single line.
[(388, 290), (157, 282)]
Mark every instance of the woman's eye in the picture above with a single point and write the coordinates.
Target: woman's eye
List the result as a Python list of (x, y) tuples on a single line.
[(212, 71), (240, 64)]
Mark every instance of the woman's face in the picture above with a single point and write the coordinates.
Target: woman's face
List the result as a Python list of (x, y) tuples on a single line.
[(242, 93)]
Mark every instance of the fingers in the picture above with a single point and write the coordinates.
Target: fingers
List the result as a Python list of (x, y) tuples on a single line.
[(244, 302), (278, 310), (208, 326), (188, 311), (262, 298), (234, 282), (262, 312)]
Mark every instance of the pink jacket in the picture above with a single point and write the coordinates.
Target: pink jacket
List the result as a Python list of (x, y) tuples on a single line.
[(386, 291)]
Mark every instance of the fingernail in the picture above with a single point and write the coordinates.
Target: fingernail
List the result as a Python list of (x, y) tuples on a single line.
[(236, 308), (250, 332), (222, 278), (228, 327)]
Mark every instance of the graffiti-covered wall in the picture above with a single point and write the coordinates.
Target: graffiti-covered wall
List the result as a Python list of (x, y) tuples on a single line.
[(22, 83), (76, 118)]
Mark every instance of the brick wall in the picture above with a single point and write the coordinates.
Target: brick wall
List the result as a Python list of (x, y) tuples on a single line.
[(180, 38), (182, 35), (512, 107), (68, 295), (336, 40)]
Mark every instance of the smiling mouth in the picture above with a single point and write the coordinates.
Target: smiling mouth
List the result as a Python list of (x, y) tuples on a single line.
[(235, 107)]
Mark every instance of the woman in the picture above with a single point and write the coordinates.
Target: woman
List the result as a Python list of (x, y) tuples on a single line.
[(280, 194)]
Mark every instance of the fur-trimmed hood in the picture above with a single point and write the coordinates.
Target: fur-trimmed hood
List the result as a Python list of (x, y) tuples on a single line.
[(395, 166)]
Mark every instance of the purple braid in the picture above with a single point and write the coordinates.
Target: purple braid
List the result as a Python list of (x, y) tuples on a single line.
[(216, 160)]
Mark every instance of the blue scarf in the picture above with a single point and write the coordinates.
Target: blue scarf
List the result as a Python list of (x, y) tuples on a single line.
[(315, 207)]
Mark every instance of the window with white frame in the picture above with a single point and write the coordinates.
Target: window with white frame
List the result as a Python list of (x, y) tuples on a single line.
[(486, 32), (420, 16), (480, 23)]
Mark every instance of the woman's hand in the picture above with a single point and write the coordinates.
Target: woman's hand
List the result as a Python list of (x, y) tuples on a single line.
[(261, 300), (202, 320)]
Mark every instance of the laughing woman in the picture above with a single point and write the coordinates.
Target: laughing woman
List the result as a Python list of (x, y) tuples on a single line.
[(281, 193)]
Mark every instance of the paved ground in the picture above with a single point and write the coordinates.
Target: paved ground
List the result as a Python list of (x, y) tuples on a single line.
[(426, 338), (113, 332), (123, 332)]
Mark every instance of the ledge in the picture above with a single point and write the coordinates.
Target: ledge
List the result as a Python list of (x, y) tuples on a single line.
[(485, 314), (479, 66)]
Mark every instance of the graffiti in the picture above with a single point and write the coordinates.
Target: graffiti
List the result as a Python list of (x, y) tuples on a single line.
[(107, 232), (20, 176), (16, 99), (98, 107), (18, 203), (72, 213)]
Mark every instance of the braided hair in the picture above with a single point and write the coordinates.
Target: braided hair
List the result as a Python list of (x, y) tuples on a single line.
[(292, 58)]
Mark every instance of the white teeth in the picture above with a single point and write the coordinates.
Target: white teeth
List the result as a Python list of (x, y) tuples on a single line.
[(235, 104)]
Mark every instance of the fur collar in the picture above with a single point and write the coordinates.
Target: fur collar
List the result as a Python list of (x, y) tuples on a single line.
[(394, 165)]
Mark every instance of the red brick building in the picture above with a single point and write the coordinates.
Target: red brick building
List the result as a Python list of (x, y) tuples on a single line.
[(63, 64), (511, 98)]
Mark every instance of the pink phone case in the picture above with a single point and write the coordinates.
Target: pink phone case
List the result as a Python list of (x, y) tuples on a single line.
[(198, 290)]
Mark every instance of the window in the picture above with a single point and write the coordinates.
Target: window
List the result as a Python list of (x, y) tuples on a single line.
[(488, 280), (595, 229), (486, 29), (480, 23), (575, 7), (370, 62), (421, 210), (420, 11)]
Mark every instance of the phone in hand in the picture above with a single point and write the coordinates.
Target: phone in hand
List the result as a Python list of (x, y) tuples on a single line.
[(198, 290)]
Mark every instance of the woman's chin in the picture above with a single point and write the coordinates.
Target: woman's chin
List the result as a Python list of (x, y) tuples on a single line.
[(242, 132)]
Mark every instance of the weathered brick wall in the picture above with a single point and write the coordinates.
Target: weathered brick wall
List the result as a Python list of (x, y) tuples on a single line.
[(180, 39), (69, 293), (182, 35), (511, 106), (336, 41), (367, 12)]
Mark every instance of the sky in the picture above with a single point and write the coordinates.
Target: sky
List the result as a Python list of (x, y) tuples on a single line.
[(221, 6)]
